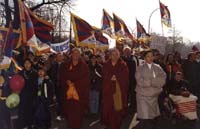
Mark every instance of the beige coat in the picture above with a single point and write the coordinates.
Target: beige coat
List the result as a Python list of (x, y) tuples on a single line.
[(149, 86)]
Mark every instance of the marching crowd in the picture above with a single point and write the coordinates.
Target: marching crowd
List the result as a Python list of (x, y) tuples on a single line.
[(111, 83)]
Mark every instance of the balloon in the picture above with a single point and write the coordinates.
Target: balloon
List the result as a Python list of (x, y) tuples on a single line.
[(12, 101), (16, 83)]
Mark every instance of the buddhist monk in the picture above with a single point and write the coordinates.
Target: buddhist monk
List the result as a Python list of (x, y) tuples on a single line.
[(114, 91), (75, 80)]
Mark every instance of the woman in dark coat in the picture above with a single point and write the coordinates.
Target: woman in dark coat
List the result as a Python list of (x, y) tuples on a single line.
[(95, 84), (27, 96)]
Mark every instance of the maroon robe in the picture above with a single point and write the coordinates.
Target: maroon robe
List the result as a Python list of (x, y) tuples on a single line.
[(110, 118), (79, 75)]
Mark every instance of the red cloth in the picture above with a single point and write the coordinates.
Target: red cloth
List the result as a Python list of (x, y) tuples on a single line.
[(79, 75), (186, 107), (110, 117), (174, 68)]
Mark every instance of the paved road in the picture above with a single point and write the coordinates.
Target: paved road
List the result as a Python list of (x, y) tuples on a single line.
[(161, 124)]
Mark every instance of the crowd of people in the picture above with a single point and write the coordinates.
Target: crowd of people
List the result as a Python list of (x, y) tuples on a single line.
[(111, 83)]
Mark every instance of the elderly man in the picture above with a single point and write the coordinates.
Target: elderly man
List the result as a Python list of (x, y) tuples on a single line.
[(114, 91)]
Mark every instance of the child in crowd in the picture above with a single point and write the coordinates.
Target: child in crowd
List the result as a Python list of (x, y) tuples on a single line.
[(44, 97)]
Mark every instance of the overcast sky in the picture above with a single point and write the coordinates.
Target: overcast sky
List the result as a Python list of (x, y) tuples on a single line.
[(184, 14)]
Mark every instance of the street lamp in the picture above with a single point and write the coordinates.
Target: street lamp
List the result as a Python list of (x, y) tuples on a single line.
[(61, 18), (150, 18)]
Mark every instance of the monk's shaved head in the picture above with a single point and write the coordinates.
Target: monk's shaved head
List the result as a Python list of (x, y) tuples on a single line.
[(114, 54)]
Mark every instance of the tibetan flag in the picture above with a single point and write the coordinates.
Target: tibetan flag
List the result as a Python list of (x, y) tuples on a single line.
[(129, 37), (101, 41), (42, 28), (26, 25), (10, 38), (165, 15), (143, 37), (121, 29), (83, 31), (107, 23), (141, 32), (127, 33), (118, 25), (42, 48)]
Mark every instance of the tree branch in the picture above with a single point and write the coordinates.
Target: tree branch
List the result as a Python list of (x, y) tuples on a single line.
[(8, 13), (44, 3)]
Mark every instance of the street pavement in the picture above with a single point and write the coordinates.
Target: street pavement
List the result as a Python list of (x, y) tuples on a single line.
[(160, 124)]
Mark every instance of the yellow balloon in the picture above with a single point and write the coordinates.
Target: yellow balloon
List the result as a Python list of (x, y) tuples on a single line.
[(12, 101)]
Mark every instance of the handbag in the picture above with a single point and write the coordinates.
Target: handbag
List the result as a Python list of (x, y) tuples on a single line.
[(72, 93)]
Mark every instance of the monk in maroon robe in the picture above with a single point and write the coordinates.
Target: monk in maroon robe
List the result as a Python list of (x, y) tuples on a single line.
[(75, 72), (115, 71)]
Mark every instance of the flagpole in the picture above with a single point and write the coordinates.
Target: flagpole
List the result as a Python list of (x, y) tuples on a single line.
[(63, 4), (162, 29), (70, 29), (7, 35), (95, 41)]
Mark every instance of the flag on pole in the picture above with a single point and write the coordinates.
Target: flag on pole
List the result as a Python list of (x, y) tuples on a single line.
[(118, 25), (10, 38), (42, 28), (127, 33), (26, 25), (42, 48), (121, 30), (83, 31), (107, 23), (165, 15), (141, 32), (142, 36), (101, 41)]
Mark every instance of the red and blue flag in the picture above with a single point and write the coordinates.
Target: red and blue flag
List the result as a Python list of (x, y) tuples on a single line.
[(10, 38), (84, 32), (165, 15), (42, 28)]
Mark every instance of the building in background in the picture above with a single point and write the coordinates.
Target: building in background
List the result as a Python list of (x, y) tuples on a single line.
[(159, 42)]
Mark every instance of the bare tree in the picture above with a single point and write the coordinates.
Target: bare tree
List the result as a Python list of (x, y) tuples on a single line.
[(53, 11), (176, 40)]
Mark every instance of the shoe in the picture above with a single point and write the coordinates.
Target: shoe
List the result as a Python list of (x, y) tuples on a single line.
[(58, 118)]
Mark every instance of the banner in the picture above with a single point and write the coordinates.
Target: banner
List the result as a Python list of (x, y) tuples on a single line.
[(60, 47)]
